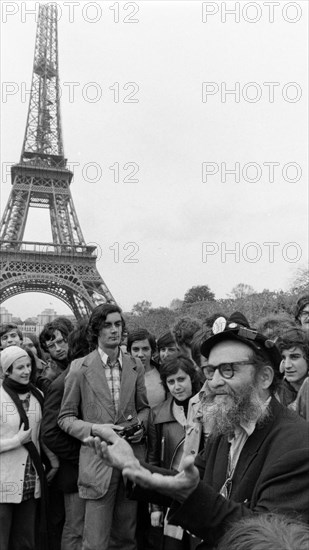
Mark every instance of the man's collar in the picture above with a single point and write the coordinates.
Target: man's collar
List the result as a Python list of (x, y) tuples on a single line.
[(104, 356), (248, 428)]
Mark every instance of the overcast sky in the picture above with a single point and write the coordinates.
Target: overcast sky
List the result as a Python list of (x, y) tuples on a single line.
[(150, 95)]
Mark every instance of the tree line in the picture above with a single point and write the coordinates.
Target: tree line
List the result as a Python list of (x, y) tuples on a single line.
[(200, 302)]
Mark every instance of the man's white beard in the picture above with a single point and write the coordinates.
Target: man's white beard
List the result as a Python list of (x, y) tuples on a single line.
[(221, 416)]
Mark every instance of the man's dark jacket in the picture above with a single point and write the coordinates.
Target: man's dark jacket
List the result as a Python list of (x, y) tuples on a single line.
[(272, 475), (62, 444)]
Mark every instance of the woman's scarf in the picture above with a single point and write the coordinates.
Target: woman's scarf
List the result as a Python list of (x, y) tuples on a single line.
[(184, 404), (13, 388)]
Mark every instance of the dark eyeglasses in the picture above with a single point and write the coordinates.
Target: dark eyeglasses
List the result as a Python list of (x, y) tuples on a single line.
[(226, 370), (59, 342)]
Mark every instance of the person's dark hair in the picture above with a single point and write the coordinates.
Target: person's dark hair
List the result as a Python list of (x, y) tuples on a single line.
[(266, 532), (295, 337), (209, 321), (259, 360), (33, 337), (98, 318), (179, 361), (197, 341), (78, 341), (141, 334), (48, 333), (201, 335), (7, 327), (274, 324), (33, 374), (167, 338), (65, 321), (124, 337), (301, 303), (184, 330)]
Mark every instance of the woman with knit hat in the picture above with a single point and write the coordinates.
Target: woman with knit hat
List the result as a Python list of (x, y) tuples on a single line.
[(22, 478)]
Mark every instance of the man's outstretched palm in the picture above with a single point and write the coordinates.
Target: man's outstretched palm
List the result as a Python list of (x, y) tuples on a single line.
[(177, 487), (117, 452)]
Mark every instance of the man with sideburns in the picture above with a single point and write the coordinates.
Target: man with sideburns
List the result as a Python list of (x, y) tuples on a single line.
[(107, 391)]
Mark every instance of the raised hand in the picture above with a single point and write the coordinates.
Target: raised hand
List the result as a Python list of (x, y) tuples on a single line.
[(114, 450)]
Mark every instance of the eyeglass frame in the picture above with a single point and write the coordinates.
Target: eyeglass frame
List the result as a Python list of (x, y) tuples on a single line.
[(219, 367), (60, 342)]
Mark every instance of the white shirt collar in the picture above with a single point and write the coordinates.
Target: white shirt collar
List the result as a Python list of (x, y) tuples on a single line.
[(104, 356)]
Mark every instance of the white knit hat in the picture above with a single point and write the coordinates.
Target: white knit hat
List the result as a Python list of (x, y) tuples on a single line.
[(9, 355)]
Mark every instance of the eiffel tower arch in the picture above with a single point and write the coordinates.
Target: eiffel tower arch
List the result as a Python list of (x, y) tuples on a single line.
[(66, 267)]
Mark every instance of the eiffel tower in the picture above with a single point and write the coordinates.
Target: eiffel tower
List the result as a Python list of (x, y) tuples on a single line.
[(65, 268)]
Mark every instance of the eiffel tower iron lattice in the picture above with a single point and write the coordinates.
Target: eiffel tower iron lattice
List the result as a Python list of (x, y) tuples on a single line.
[(65, 268)]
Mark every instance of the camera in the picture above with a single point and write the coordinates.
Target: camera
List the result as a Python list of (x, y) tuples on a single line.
[(128, 431)]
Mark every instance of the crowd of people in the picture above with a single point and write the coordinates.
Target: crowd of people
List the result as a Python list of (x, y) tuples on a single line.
[(197, 437)]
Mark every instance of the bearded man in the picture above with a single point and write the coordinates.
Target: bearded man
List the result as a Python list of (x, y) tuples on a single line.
[(256, 457)]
